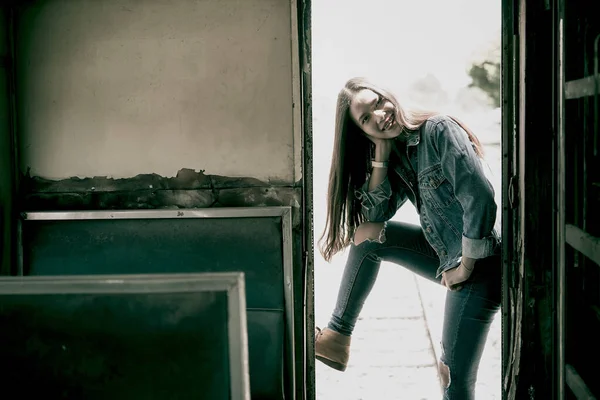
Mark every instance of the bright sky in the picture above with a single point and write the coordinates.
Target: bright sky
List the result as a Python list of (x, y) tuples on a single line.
[(396, 42)]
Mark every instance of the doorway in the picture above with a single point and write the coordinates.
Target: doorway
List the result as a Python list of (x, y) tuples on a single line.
[(437, 55)]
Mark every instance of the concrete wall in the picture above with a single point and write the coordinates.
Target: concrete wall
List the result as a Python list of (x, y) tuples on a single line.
[(121, 87)]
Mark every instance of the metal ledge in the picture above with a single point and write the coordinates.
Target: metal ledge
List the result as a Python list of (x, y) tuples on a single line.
[(583, 242), (225, 212)]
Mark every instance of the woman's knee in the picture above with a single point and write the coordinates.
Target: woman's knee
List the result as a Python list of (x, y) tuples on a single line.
[(370, 231)]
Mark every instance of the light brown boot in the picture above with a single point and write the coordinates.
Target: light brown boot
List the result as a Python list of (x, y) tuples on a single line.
[(332, 348)]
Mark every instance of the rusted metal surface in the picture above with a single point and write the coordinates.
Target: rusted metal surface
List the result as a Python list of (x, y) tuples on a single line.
[(188, 189), (184, 179)]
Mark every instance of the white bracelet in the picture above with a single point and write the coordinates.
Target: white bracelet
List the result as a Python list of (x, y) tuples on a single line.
[(379, 164)]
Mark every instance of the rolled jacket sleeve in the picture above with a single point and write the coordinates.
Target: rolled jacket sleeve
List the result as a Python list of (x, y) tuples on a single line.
[(463, 168), (381, 203)]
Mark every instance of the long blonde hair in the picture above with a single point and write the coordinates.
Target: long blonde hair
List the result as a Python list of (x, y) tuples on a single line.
[(350, 164)]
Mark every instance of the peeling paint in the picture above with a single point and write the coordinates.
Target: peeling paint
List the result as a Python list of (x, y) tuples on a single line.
[(185, 179), (188, 189)]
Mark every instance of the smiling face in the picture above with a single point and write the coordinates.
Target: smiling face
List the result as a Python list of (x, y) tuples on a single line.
[(374, 115)]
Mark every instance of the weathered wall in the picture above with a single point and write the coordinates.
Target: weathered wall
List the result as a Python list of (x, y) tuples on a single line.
[(120, 87), (126, 104)]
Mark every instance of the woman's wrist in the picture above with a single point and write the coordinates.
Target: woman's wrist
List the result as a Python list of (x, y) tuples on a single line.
[(382, 153), (469, 263)]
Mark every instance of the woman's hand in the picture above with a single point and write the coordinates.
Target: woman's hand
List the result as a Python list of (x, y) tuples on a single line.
[(453, 278), (383, 148)]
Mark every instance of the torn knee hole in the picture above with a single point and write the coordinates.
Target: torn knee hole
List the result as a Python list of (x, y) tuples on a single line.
[(444, 374), (371, 232)]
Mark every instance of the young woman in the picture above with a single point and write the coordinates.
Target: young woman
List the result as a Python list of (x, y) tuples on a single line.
[(383, 156)]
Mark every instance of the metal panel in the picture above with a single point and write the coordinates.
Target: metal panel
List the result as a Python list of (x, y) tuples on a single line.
[(24, 290)]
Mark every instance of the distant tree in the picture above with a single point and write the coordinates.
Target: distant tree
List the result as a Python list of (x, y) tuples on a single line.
[(486, 73), (486, 76)]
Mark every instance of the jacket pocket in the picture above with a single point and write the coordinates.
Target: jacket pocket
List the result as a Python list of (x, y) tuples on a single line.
[(435, 188)]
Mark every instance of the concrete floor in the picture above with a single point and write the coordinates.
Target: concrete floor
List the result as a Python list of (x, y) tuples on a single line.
[(395, 346), (392, 355)]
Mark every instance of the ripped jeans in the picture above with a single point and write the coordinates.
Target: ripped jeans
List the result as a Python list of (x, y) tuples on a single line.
[(468, 313)]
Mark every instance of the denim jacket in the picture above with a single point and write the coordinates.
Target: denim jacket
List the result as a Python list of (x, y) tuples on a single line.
[(445, 180)]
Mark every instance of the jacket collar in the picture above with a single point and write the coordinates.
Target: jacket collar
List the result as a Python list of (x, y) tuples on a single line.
[(414, 137)]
